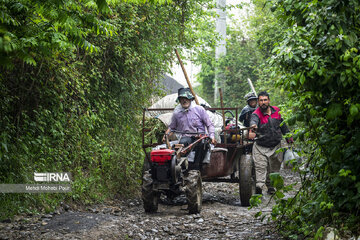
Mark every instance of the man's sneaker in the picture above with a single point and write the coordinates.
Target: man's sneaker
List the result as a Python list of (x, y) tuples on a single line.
[(271, 190), (258, 190)]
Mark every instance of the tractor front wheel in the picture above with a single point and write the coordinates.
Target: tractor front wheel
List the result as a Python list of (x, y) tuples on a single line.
[(149, 196), (193, 191)]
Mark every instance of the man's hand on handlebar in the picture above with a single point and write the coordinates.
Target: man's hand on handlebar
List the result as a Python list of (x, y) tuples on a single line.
[(164, 138), (167, 134), (252, 133)]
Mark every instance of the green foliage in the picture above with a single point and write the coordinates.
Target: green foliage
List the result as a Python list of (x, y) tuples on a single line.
[(73, 81), (246, 54), (240, 63), (207, 75), (255, 201), (314, 57)]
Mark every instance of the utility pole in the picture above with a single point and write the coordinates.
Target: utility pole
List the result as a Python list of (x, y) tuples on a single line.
[(220, 49)]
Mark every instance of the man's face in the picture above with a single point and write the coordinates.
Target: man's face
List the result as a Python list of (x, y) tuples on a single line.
[(264, 103), (185, 103), (252, 103)]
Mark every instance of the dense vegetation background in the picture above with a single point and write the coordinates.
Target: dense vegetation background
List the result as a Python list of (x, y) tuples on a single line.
[(73, 81), (306, 55), (315, 58), (75, 75)]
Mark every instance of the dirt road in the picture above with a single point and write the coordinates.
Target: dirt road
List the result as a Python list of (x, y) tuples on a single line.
[(222, 217)]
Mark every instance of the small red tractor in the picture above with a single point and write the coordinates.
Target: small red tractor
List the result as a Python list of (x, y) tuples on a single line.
[(166, 167)]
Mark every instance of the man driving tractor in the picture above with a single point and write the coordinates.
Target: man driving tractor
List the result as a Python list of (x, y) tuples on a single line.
[(191, 118)]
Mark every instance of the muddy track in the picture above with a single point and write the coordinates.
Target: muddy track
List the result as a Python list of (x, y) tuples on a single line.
[(222, 217)]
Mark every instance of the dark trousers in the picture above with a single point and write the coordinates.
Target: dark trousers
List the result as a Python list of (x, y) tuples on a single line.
[(200, 150)]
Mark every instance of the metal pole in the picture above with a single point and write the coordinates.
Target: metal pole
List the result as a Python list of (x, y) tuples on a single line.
[(220, 49), (252, 86), (223, 114)]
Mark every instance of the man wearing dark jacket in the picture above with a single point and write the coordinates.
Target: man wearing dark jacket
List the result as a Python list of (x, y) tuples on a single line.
[(266, 121), (246, 112)]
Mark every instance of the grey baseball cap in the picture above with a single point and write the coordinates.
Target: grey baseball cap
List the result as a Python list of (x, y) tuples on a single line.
[(250, 96)]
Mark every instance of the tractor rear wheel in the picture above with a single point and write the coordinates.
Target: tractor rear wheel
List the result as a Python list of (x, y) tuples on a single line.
[(193, 191), (246, 181), (149, 196)]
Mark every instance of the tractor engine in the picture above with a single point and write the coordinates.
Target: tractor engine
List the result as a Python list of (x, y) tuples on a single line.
[(161, 164)]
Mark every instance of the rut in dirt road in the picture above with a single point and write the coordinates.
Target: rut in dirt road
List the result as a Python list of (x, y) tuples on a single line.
[(222, 217)]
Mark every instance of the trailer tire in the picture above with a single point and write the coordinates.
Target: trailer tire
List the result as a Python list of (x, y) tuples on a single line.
[(193, 191), (149, 196), (246, 181)]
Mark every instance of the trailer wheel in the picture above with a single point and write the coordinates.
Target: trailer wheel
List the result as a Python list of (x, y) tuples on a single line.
[(149, 196), (193, 191), (246, 181)]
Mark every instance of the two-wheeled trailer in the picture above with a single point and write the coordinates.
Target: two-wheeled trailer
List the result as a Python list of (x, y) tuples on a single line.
[(166, 168)]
